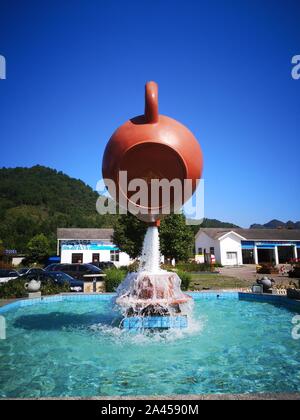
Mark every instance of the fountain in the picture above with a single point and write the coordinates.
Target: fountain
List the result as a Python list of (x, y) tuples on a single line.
[(152, 147)]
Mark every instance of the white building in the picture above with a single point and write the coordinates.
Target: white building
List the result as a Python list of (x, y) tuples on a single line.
[(247, 246), (89, 245)]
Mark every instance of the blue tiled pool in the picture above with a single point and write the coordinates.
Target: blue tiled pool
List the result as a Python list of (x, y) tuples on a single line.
[(73, 346)]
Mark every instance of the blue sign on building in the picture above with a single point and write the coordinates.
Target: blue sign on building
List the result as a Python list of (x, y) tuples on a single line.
[(86, 246)]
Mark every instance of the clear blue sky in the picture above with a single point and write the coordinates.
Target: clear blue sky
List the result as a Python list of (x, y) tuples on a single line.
[(76, 70)]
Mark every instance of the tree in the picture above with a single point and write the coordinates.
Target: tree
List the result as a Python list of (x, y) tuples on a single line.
[(1, 253), (38, 249), (176, 238), (129, 234)]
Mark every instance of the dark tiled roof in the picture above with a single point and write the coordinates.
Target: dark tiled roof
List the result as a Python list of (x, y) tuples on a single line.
[(98, 234), (256, 234)]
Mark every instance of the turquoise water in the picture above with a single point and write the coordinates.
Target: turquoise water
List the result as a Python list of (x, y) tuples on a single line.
[(76, 349)]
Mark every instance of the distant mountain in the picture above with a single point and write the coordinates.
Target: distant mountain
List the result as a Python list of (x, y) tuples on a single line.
[(214, 223), (277, 224)]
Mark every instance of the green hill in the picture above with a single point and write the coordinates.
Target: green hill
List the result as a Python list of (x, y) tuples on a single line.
[(39, 200)]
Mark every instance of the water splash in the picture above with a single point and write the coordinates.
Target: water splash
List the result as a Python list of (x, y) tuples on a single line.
[(152, 291)]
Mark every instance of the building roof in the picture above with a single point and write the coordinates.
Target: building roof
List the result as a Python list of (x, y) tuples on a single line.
[(85, 234), (255, 234)]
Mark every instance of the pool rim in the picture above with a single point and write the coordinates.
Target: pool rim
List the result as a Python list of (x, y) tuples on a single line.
[(278, 300)]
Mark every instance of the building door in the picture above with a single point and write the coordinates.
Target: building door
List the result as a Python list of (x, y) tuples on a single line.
[(266, 255), (232, 258), (285, 254), (248, 256), (77, 258)]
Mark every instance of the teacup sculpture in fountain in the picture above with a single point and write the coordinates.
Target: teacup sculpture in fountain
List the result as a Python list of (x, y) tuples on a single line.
[(152, 148)]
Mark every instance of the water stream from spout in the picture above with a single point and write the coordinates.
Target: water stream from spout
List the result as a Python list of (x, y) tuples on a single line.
[(151, 257)]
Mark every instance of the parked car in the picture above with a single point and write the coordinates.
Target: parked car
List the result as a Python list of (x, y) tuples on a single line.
[(35, 271), (57, 277), (23, 270), (48, 267), (7, 275), (77, 271), (103, 265)]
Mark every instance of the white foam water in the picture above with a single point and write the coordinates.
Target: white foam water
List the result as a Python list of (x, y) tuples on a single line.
[(151, 290), (150, 258)]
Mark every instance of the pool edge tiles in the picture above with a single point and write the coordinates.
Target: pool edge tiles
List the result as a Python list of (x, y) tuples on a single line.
[(214, 295), (197, 296), (22, 303), (273, 299)]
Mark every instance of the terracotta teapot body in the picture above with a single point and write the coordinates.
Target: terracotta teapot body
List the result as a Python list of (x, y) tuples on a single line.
[(148, 147)]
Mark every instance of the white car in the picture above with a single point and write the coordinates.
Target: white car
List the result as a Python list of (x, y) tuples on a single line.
[(7, 275)]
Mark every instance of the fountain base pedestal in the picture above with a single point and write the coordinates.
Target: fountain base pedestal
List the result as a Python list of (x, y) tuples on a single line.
[(153, 301), (140, 323)]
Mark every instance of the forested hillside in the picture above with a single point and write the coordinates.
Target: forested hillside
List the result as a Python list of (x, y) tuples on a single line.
[(39, 200)]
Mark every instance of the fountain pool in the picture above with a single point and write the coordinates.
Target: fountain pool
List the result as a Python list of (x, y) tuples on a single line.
[(73, 346)]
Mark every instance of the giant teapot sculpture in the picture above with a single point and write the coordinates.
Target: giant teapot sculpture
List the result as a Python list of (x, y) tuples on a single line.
[(152, 146)]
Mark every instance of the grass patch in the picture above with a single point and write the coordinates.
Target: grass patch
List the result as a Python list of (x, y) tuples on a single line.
[(217, 281)]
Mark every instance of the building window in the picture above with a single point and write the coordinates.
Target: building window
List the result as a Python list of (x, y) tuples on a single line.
[(96, 258), (212, 251), (115, 256), (231, 255), (200, 251), (77, 258)]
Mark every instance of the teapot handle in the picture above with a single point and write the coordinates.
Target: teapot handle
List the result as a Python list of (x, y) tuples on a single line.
[(151, 102)]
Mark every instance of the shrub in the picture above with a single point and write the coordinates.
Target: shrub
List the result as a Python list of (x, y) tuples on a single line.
[(267, 269), (114, 277), (185, 279), (16, 289), (194, 267), (131, 268), (51, 288), (295, 273), (13, 289)]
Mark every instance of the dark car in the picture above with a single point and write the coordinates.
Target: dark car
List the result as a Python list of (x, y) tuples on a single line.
[(34, 271), (78, 271), (57, 277), (48, 267), (23, 270), (103, 265), (7, 275)]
